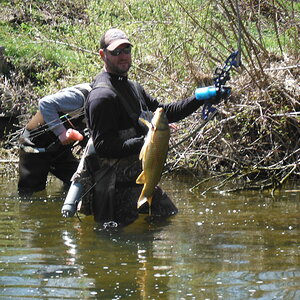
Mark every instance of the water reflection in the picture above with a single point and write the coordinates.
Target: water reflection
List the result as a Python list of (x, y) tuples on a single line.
[(218, 247)]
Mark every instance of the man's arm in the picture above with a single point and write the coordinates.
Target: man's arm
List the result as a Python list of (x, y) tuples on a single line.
[(175, 111), (65, 101)]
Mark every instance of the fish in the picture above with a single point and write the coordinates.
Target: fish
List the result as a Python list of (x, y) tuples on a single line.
[(153, 155)]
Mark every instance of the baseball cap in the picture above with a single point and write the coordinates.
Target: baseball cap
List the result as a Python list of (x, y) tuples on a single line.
[(113, 38)]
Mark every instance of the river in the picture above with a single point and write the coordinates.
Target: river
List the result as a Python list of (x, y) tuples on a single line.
[(219, 246)]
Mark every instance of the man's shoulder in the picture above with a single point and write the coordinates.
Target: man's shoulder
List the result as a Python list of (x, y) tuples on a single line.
[(101, 93), (101, 81)]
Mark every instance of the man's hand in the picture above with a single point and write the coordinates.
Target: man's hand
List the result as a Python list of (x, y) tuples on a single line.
[(224, 92), (25, 138), (221, 94)]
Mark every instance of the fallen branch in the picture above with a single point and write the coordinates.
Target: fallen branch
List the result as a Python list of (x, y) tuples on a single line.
[(282, 68), (210, 117)]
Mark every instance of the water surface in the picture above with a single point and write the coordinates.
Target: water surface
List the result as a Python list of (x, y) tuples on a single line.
[(221, 246)]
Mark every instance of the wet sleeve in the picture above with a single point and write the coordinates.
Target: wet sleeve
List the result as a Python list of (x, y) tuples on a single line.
[(181, 109), (175, 111)]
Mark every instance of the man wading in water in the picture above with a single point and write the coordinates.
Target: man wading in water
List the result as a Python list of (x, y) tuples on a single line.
[(45, 145), (113, 108)]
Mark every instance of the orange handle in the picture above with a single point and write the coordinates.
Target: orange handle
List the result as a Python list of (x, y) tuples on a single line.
[(74, 135)]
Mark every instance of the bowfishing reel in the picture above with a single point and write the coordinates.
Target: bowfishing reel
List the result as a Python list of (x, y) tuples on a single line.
[(214, 94)]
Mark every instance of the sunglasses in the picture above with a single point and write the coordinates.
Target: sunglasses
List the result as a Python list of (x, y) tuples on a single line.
[(117, 52)]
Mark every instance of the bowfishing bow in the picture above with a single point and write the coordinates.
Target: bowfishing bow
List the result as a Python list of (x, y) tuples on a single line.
[(219, 90)]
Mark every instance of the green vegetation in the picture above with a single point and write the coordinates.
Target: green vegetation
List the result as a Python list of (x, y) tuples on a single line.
[(177, 45)]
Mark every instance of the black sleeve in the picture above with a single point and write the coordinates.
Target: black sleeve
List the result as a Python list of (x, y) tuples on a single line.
[(175, 111), (103, 121)]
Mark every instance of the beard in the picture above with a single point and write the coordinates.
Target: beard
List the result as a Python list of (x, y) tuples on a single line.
[(120, 68)]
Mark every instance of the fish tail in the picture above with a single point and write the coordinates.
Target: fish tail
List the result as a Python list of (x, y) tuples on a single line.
[(141, 201)]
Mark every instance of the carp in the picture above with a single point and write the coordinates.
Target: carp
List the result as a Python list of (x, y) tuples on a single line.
[(153, 155)]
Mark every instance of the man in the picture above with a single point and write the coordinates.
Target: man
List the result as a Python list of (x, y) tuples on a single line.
[(113, 108), (45, 145)]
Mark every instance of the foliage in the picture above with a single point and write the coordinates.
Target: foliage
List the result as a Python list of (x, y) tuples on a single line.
[(177, 45)]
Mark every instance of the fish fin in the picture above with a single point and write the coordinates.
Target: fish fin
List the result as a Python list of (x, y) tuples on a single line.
[(141, 201), (147, 123), (143, 151), (141, 178)]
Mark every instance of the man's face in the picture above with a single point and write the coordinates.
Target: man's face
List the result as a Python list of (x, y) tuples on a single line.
[(117, 61)]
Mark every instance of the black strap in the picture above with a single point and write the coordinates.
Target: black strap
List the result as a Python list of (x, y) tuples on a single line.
[(84, 91), (137, 91)]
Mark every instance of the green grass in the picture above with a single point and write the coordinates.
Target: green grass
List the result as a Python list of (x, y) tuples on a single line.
[(176, 42)]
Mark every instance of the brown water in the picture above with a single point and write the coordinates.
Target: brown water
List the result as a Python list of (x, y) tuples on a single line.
[(222, 246)]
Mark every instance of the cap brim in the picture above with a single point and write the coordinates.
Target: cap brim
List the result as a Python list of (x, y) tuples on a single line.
[(115, 44)]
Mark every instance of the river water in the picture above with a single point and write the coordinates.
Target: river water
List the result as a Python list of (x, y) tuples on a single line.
[(221, 246)]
